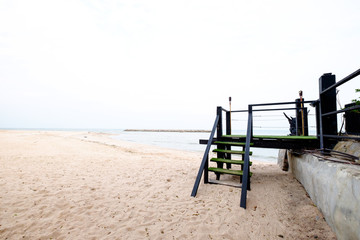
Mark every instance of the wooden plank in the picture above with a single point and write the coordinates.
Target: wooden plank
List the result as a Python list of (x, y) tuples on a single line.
[(231, 143), (229, 151), (280, 143), (230, 184), (274, 137), (227, 171), (228, 161)]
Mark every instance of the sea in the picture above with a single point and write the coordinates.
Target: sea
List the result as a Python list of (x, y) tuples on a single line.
[(189, 141), (185, 141)]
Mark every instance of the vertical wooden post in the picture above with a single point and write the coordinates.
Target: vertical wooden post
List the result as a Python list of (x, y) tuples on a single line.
[(229, 116), (219, 135), (228, 123), (328, 124), (302, 113), (306, 124), (228, 132), (298, 117), (301, 118), (317, 113), (206, 171), (219, 128), (246, 174)]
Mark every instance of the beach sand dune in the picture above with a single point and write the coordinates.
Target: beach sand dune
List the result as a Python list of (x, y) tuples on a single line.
[(81, 185)]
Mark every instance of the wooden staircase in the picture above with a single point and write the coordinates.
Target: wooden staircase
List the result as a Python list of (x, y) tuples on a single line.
[(226, 155)]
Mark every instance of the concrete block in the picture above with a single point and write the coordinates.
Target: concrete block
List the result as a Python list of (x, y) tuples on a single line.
[(335, 190)]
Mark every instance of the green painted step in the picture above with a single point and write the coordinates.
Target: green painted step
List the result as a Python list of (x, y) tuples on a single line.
[(230, 151), (227, 171), (232, 143), (223, 160)]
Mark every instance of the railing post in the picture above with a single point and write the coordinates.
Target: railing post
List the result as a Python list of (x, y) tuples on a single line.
[(306, 124), (300, 117), (219, 128), (252, 123), (246, 175), (297, 117), (328, 124), (317, 114), (228, 123), (228, 132), (219, 134)]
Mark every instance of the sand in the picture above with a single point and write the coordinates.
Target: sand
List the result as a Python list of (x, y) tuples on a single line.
[(80, 185)]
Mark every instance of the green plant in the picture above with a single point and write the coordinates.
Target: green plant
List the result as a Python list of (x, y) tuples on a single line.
[(352, 117), (356, 101)]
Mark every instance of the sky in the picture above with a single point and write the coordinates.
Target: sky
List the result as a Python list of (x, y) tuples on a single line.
[(166, 64)]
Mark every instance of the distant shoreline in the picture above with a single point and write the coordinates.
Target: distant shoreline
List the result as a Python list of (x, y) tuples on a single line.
[(165, 130)]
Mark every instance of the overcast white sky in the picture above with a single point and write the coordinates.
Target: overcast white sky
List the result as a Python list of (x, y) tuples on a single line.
[(163, 63)]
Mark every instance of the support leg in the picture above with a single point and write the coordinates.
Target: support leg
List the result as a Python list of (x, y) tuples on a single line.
[(242, 169), (248, 182), (206, 171), (228, 156), (219, 165)]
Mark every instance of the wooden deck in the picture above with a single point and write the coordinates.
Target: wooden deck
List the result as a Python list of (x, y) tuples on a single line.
[(278, 142)]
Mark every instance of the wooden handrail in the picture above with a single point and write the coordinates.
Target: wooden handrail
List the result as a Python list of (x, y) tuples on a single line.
[(245, 182), (205, 157)]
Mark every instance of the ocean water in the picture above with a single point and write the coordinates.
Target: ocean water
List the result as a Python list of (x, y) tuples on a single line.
[(186, 141), (189, 141)]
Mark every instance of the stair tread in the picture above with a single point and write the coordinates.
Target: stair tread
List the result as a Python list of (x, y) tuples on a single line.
[(227, 171), (232, 143), (230, 151), (228, 161)]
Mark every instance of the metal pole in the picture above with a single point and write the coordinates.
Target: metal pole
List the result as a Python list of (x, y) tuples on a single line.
[(302, 113), (230, 112)]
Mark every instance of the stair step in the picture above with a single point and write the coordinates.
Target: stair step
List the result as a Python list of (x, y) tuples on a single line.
[(223, 160), (230, 151), (227, 171), (232, 143)]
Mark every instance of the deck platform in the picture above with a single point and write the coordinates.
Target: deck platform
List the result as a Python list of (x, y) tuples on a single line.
[(278, 142)]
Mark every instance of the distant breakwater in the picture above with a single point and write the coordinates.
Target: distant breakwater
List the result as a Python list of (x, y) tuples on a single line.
[(167, 130)]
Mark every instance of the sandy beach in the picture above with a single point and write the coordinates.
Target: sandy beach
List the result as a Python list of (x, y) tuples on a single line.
[(81, 185)]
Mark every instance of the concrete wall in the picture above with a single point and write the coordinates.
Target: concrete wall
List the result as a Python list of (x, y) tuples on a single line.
[(334, 188)]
